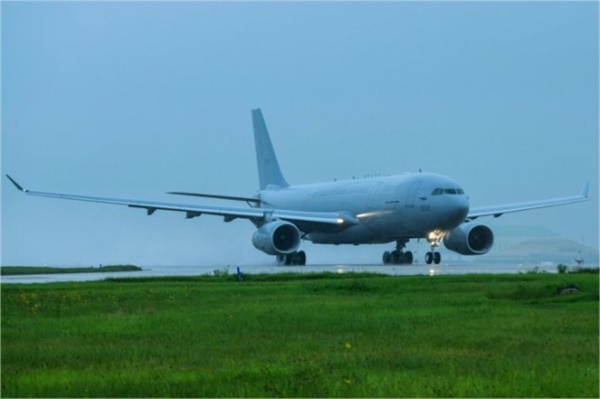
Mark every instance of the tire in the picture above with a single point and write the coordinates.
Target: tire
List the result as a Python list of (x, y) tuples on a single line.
[(428, 258), (301, 258), (386, 258)]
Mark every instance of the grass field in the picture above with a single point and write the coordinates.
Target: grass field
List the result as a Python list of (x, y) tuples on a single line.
[(28, 270), (309, 335)]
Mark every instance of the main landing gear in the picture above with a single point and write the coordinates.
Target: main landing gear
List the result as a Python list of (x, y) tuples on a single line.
[(296, 258), (401, 257), (398, 256)]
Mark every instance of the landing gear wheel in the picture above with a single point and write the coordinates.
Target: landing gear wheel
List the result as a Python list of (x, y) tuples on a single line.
[(299, 258), (433, 257), (429, 258), (387, 258), (398, 257), (295, 258)]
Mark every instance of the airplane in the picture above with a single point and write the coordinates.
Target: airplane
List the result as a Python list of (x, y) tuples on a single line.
[(374, 210)]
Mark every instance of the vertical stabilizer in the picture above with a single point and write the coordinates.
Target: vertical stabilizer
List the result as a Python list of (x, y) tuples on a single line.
[(269, 173)]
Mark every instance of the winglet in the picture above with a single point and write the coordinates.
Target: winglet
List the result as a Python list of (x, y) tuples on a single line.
[(17, 185), (585, 191)]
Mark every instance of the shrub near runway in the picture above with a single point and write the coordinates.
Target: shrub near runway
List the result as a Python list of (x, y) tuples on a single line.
[(29, 270), (313, 335)]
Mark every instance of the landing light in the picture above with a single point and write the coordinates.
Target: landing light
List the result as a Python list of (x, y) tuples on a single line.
[(435, 237), (366, 214), (432, 236)]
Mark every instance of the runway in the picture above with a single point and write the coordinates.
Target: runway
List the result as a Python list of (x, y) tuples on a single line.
[(398, 270)]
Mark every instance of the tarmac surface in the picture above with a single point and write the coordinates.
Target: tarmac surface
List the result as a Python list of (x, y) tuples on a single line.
[(406, 270)]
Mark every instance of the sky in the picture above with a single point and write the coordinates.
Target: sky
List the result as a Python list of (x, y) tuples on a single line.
[(135, 99)]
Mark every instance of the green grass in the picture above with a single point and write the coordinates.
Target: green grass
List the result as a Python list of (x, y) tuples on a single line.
[(27, 270), (309, 335)]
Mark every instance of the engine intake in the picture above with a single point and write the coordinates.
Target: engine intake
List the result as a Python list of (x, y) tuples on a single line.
[(470, 239), (277, 238)]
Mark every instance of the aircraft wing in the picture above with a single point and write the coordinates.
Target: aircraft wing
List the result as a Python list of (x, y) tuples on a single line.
[(191, 211), (499, 210)]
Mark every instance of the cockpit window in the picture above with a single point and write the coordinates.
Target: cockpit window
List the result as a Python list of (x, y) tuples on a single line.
[(451, 191)]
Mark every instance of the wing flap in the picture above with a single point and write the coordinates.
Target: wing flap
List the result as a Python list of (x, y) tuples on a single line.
[(226, 197)]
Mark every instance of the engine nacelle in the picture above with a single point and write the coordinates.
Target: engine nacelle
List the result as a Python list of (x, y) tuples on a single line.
[(277, 238), (470, 239)]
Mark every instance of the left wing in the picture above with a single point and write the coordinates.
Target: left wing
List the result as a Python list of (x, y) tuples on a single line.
[(342, 219), (499, 210)]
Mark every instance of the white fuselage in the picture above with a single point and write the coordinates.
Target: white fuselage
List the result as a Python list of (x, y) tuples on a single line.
[(388, 208)]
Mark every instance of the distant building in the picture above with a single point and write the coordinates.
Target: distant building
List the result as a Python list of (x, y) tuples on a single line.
[(537, 245)]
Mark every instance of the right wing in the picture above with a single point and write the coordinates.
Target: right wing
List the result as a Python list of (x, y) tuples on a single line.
[(341, 219), (499, 210)]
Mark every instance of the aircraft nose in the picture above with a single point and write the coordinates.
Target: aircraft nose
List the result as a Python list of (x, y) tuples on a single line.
[(458, 210), (462, 207)]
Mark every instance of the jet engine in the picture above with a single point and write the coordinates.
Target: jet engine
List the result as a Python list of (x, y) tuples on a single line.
[(470, 239), (277, 238)]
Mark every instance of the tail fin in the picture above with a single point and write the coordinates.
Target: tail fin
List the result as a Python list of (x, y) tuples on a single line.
[(269, 173)]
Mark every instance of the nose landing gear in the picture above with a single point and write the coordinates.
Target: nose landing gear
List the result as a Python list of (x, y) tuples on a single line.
[(432, 256)]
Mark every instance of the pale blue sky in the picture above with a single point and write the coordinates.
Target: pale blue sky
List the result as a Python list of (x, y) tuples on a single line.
[(136, 99)]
